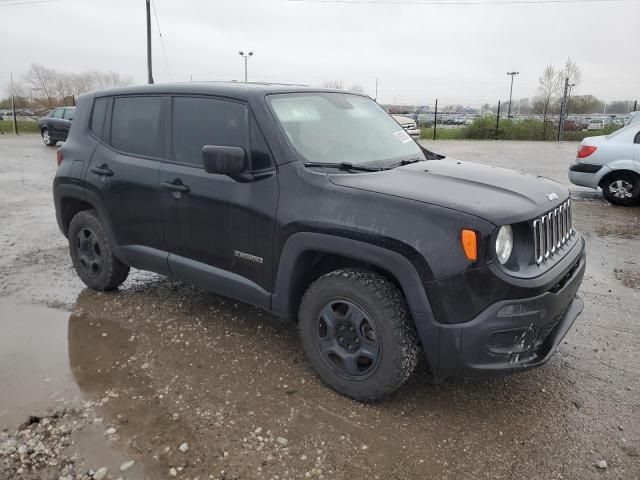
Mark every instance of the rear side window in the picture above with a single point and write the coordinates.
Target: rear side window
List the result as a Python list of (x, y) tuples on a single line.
[(69, 113), (57, 113), (98, 116), (201, 121), (136, 125)]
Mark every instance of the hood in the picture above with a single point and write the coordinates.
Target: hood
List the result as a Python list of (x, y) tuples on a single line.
[(496, 194)]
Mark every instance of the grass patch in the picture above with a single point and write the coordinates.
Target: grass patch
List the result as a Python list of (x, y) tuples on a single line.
[(484, 128), (441, 133), (24, 126)]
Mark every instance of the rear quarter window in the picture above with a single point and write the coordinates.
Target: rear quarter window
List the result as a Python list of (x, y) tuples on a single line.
[(98, 116)]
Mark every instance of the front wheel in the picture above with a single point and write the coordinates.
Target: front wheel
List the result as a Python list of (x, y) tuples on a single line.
[(92, 254), (621, 188), (47, 139), (358, 334)]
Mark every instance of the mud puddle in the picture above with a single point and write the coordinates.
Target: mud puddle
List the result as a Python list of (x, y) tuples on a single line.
[(35, 374)]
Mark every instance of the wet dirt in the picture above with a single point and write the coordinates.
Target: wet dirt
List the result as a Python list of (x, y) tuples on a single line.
[(163, 364)]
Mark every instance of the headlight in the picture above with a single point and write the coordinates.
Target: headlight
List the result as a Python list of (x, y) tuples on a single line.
[(504, 244)]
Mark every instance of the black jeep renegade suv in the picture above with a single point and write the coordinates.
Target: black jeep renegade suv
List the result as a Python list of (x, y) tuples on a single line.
[(316, 205)]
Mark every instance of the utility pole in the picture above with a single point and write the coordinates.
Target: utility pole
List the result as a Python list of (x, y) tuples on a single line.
[(435, 120), (563, 107), (511, 74), (376, 99), (149, 65), (246, 58), (635, 105), (13, 108)]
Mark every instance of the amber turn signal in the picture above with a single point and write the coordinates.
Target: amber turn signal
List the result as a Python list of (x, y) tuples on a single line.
[(469, 244)]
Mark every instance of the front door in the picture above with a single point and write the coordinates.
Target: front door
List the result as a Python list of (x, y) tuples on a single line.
[(219, 230)]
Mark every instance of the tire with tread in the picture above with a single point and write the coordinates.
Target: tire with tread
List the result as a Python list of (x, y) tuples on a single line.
[(49, 143), (387, 308), (113, 272), (627, 178)]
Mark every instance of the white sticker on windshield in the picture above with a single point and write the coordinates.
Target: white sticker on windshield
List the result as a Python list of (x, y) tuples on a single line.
[(402, 136)]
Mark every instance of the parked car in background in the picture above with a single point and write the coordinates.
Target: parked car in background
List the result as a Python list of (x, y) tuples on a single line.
[(596, 124), (55, 126), (611, 162), (409, 125)]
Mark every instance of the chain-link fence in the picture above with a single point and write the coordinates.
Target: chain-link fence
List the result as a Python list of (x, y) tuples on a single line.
[(438, 122)]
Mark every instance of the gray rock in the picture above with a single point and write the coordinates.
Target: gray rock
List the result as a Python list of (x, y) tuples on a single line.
[(100, 474)]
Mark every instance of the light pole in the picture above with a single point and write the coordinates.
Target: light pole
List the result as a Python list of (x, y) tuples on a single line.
[(512, 74), (246, 57), (571, 85)]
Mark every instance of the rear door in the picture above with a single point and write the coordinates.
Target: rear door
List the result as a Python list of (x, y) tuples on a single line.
[(124, 173), (55, 123), (218, 225), (65, 123)]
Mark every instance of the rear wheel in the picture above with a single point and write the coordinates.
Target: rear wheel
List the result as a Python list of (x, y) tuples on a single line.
[(357, 333), (621, 188), (92, 255), (48, 140)]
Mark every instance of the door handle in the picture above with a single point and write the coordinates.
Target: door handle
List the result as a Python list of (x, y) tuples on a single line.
[(102, 170), (175, 186)]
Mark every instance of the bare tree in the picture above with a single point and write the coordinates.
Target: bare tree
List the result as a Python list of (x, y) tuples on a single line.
[(571, 71), (41, 82), (357, 89), (48, 87), (335, 84), (548, 86)]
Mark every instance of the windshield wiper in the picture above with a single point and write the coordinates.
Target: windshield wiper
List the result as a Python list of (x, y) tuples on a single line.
[(402, 163), (342, 166)]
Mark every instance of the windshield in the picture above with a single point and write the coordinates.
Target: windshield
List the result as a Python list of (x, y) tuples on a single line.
[(337, 127)]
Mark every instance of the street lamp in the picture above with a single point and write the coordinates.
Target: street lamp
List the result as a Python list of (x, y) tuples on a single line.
[(512, 74), (246, 57), (571, 85)]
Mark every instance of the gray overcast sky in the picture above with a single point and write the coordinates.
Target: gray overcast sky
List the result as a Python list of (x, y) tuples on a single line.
[(456, 53)]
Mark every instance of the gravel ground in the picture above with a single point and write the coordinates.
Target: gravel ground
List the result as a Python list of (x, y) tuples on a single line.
[(162, 380)]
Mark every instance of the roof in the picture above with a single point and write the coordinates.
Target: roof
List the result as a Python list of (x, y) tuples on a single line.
[(239, 90)]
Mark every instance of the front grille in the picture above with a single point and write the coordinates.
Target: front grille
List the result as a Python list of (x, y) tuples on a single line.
[(551, 232)]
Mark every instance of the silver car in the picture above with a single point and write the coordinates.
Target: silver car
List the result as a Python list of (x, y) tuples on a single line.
[(611, 162), (409, 124)]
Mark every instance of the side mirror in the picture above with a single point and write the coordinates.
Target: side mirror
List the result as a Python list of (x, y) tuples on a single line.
[(224, 160)]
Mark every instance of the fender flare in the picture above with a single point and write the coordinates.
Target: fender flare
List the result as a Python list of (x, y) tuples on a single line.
[(624, 164), (394, 263), (64, 190)]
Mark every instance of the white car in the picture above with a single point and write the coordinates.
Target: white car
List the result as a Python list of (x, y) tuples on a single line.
[(596, 125), (611, 162), (409, 124)]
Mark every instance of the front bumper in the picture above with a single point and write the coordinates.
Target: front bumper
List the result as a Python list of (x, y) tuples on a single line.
[(509, 335)]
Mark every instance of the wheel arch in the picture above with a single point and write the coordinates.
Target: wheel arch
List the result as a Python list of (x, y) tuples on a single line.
[(69, 207), (625, 167), (307, 256)]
